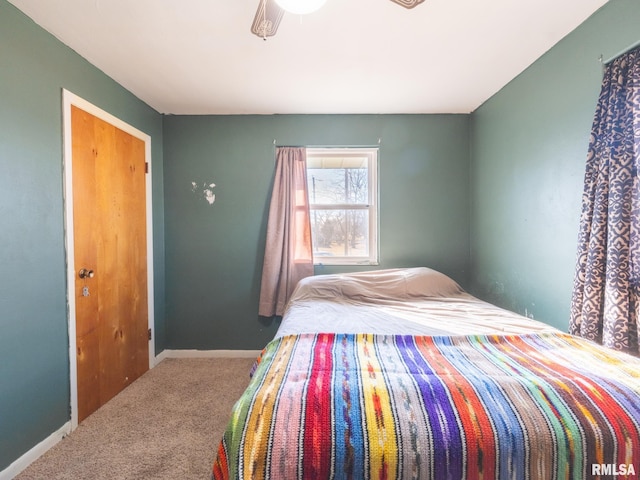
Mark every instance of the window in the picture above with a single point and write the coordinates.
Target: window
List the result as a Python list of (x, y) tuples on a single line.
[(343, 191)]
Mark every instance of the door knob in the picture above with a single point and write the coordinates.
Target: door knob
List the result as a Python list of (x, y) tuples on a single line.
[(84, 273)]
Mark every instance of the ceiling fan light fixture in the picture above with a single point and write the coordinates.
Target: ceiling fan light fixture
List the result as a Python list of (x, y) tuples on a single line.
[(300, 7)]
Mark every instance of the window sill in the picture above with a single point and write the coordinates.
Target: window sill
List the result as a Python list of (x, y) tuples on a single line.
[(346, 261)]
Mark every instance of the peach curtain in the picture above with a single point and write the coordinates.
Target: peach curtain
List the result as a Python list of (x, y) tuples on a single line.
[(288, 255)]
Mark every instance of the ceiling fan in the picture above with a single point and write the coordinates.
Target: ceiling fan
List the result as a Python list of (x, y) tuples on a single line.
[(270, 12)]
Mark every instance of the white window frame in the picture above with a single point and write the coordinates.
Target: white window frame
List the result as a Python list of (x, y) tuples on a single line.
[(371, 207)]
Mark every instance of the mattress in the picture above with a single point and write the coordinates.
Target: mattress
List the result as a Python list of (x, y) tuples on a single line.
[(410, 301)]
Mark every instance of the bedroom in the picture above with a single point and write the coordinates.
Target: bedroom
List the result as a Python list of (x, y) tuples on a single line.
[(506, 229)]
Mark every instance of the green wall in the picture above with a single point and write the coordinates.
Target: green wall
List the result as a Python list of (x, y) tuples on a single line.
[(215, 252), (34, 365), (529, 145)]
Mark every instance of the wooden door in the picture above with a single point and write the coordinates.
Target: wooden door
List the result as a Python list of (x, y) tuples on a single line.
[(109, 218)]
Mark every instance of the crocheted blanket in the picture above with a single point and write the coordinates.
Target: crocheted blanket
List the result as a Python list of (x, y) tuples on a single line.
[(539, 406)]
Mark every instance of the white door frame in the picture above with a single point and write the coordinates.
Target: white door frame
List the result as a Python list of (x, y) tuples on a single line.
[(68, 100)]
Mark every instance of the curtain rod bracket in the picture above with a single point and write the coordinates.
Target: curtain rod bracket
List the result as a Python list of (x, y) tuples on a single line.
[(633, 46)]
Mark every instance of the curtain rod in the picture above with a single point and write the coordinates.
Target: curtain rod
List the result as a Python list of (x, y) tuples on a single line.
[(275, 144), (622, 52)]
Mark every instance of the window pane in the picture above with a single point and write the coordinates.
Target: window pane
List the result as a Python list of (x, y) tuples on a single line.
[(343, 194), (331, 186), (340, 233)]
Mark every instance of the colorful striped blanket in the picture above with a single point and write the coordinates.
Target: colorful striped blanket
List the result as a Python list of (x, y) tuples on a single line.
[(538, 406)]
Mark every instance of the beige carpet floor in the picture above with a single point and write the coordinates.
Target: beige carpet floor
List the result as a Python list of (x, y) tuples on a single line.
[(165, 425)]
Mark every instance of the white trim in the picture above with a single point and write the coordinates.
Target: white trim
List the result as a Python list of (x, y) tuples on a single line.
[(207, 354), (36, 452), (69, 99)]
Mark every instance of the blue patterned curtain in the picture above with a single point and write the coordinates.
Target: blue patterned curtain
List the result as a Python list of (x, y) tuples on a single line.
[(605, 305)]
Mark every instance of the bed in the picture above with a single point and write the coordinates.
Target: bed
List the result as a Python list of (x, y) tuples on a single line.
[(401, 374)]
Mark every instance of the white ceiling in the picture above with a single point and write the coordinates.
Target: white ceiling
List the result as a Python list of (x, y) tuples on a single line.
[(352, 56)]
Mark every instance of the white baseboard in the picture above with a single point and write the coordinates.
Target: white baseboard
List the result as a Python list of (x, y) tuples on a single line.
[(207, 354), (32, 455)]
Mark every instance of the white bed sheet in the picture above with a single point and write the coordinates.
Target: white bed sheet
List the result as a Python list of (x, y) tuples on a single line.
[(414, 301)]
